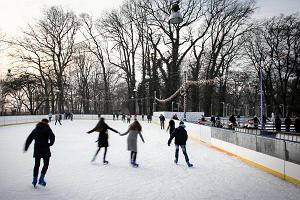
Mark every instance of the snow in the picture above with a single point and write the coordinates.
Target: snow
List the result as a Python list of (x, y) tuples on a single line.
[(72, 175)]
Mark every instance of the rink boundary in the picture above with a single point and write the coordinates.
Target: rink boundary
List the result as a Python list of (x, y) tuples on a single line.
[(249, 162)]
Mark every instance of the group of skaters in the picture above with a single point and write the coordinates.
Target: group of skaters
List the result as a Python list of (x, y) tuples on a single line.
[(44, 138), (58, 117)]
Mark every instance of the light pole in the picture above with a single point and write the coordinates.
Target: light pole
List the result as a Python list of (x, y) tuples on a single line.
[(261, 96), (57, 94), (184, 97), (172, 105), (223, 108), (134, 96)]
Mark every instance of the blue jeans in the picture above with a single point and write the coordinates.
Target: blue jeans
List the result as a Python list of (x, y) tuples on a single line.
[(183, 148)]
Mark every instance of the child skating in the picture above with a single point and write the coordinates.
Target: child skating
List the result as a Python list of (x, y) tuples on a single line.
[(102, 128), (43, 138), (133, 130), (181, 137)]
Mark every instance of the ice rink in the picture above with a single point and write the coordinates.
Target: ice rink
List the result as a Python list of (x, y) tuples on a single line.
[(72, 175)]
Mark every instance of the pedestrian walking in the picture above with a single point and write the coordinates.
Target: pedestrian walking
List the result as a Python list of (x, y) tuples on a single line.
[(43, 138), (297, 125), (181, 137), (287, 123), (133, 131), (278, 123), (102, 128)]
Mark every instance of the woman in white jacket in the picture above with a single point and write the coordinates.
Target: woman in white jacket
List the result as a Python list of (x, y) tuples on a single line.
[(134, 130)]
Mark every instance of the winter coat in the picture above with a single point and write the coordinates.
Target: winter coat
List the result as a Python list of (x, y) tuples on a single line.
[(103, 135), (297, 125), (162, 118), (278, 124), (171, 126), (180, 135), (43, 138), (132, 139)]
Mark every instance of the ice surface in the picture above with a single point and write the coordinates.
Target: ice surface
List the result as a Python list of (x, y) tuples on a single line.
[(72, 175)]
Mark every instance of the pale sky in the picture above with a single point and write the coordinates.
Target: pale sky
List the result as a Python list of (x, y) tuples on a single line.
[(15, 14)]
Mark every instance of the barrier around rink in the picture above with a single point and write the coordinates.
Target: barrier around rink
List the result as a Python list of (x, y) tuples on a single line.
[(276, 156)]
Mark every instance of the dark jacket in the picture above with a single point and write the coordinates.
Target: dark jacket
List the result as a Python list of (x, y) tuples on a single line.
[(103, 136), (297, 125), (171, 126), (278, 124), (43, 138), (180, 135)]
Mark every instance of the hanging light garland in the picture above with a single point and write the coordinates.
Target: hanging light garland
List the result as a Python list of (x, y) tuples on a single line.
[(181, 89)]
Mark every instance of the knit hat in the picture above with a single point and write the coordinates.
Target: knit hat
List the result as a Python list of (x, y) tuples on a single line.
[(181, 122)]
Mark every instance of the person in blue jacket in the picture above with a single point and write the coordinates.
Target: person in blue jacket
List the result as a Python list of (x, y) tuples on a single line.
[(181, 137)]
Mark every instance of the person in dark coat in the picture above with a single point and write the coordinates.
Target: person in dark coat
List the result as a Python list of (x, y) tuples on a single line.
[(278, 123), (175, 117), (213, 120), (134, 130), (102, 128), (255, 121), (171, 126), (287, 123), (181, 137), (43, 138), (162, 120), (232, 119), (297, 124), (149, 118)]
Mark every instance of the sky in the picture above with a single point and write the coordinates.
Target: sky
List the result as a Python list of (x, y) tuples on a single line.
[(15, 14)]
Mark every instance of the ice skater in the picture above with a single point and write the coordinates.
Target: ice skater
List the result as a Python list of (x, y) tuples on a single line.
[(133, 130), (181, 137), (171, 127), (102, 128), (43, 138), (58, 118)]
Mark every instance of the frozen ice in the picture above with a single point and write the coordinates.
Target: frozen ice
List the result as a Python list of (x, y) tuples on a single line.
[(72, 175)]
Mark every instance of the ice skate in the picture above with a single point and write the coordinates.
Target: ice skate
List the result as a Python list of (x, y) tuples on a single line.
[(42, 181), (105, 162), (34, 181)]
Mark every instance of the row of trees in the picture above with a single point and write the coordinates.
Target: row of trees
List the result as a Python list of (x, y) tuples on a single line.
[(76, 63)]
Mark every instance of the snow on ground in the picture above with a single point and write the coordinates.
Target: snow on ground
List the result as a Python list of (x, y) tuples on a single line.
[(72, 175)]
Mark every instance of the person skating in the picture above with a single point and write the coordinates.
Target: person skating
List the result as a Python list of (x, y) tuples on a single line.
[(162, 120), (181, 137), (133, 130), (102, 128), (149, 118), (171, 126), (50, 116), (43, 138)]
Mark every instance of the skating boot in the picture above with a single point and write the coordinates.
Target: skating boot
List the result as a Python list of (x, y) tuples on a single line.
[(42, 181), (34, 181), (134, 164), (189, 164), (105, 162)]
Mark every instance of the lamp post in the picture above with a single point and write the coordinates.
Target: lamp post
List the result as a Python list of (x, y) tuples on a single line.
[(57, 106), (134, 101), (282, 105), (184, 97), (172, 105), (261, 96), (223, 108)]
